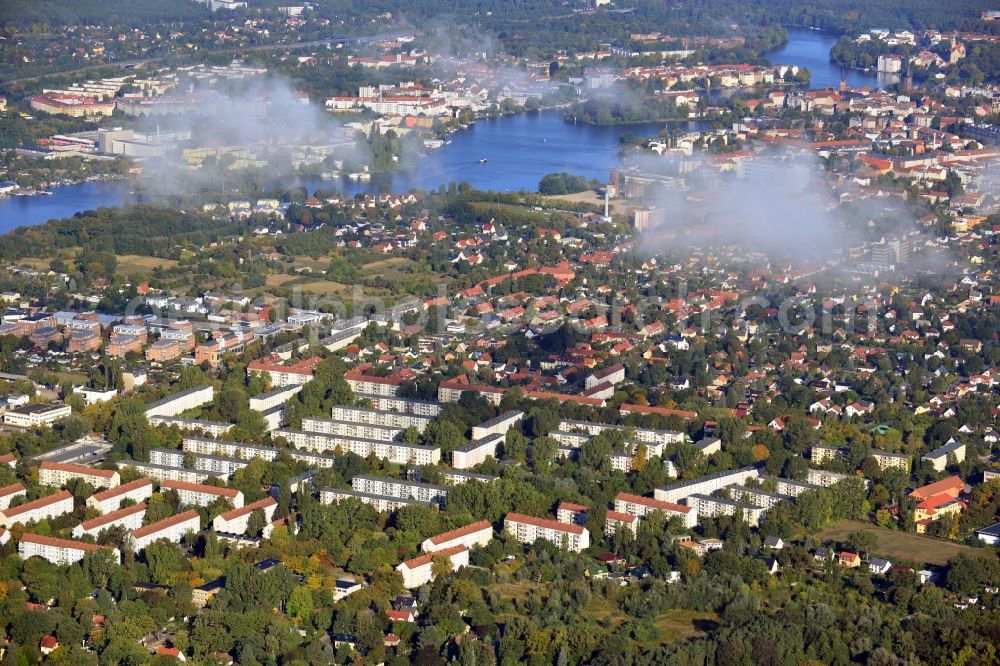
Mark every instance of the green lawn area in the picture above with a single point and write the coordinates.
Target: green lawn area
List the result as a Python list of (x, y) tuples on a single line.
[(75, 378), (674, 625), (679, 624), (134, 264), (902, 546)]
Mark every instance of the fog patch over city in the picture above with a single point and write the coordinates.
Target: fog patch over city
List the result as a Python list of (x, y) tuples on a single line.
[(255, 125), (777, 207), (773, 208)]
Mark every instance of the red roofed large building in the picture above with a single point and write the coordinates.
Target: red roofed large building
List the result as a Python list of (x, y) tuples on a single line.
[(130, 518), (281, 374), (470, 536), (8, 493), (111, 499), (661, 411), (370, 384), (58, 474), (419, 570), (58, 551), (935, 508), (528, 529), (236, 521), (172, 529), (201, 495), (951, 487), (640, 507), (615, 520), (49, 506)]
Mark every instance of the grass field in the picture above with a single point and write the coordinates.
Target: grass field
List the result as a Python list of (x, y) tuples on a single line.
[(590, 197), (390, 267), (278, 279), (679, 624), (128, 264), (902, 546), (133, 264), (324, 287), (674, 625)]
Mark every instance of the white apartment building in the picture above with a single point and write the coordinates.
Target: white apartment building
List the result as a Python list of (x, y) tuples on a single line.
[(59, 474), (711, 506), (274, 398), (211, 428), (314, 459), (219, 447), (821, 477), (757, 497), (235, 521), (640, 507), (476, 451), (172, 529), (890, 64), (178, 403), (381, 503), (888, 459), (380, 386), (202, 463), (571, 514), (706, 485), (615, 520), (130, 518), (222, 465), (351, 429), (111, 499), (471, 536), (396, 452), (280, 375), (198, 494), (378, 485), (49, 506), (819, 454), (274, 418), (457, 478), (573, 440), (167, 457), (163, 473), (528, 529), (787, 486), (452, 390), (498, 426), (8, 493), (59, 551), (420, 570), (645, 435), (379, 418), (403, 405), (35, 416)]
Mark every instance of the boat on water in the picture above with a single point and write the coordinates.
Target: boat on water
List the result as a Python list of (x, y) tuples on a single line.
[(482, 160)]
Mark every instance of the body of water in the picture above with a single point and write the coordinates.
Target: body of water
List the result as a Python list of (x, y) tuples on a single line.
[(811, 49), (505, 154)]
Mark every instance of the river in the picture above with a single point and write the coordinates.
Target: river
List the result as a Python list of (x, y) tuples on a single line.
[(518, 150)]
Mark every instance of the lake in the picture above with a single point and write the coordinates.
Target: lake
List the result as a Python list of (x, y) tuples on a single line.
[(811, 49), (518, 150)]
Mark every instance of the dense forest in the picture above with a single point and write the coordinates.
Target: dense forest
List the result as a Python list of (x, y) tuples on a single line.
[(58, 12), (144, 229)]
